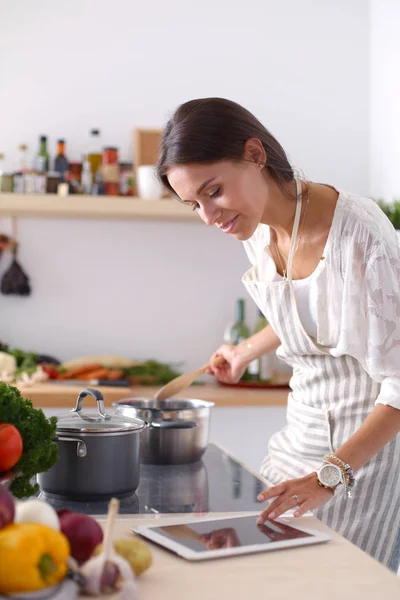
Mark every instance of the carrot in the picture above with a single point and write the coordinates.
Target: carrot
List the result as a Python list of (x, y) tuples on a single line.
[(96, 374), (78, 372), (114, 374)]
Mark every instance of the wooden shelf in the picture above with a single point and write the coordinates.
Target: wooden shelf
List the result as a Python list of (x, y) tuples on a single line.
[(93, 207)]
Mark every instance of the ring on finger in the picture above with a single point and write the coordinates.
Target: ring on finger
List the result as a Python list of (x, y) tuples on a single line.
[(296, 499)]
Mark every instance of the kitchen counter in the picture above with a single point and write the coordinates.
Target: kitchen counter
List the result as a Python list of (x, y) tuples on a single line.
[(217, 483), (56, 395), (332, 571), (221, 485)]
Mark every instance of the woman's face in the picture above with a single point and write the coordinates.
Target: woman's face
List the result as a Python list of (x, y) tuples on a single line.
[(229, 195)]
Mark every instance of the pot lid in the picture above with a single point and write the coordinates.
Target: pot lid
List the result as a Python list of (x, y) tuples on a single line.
[(77, 421)]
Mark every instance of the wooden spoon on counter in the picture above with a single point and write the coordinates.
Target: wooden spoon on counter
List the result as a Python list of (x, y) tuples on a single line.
[(183, 381)]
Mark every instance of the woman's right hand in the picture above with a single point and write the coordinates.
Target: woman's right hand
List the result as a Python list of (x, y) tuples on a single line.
[(231, 368)]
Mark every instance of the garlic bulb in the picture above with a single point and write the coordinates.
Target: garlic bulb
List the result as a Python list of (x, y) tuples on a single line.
[(108, 571)]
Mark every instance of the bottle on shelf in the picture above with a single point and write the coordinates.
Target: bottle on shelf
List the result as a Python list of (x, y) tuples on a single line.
[(19, 176), (74, 177), (53, 180), (86, 177), (42, 157), (23, 161), (60, 161), (1, 171), (238, 331), (94, 154), (262, 368), (126, 175), (6, 175), (110, 171), (98, 185)]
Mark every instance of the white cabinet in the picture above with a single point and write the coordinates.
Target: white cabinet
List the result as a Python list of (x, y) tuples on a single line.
[(245, 431)]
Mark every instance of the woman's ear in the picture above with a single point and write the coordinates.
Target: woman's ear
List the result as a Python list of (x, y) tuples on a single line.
[(254, 152)]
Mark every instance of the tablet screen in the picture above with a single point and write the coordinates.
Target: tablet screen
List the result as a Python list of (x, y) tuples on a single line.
[(229, 533)]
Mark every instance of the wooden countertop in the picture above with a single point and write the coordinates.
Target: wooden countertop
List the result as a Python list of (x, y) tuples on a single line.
[(56, 395), (332, 570)]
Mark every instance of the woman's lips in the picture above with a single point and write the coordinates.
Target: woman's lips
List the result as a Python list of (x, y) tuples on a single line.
[(229, 225)]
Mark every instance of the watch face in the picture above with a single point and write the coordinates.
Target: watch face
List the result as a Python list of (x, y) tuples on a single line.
[(330, 475)]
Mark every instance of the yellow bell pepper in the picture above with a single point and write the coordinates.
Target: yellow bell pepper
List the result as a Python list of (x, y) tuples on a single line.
[(32, 557)]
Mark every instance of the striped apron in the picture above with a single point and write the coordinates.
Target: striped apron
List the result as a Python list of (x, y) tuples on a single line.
[(329, 400)]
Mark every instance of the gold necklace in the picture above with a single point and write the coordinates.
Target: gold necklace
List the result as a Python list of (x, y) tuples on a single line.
[(280, 260), (299, 238)]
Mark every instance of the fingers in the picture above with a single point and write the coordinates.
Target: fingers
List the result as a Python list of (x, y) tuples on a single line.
[(219, 360), (303, 494), (225, 366), (218, 363), (272, 492), (277, 508), (303, 508)]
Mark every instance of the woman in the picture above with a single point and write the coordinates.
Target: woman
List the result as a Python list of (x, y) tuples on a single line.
[(326, 274)]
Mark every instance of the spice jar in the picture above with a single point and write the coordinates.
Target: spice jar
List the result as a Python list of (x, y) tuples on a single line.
[(53, 179), (126, 179), (74, 177), (110, 171)]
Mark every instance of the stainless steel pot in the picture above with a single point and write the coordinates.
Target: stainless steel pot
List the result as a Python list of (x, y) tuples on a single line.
[(99, 454), (177, 432)]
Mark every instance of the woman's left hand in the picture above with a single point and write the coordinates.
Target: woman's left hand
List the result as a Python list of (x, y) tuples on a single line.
[(304, 493)]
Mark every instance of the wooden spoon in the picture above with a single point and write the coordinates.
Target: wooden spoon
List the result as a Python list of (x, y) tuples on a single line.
[(183, 381)]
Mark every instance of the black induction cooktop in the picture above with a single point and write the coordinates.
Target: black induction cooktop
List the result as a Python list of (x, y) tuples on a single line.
[(217, 483)]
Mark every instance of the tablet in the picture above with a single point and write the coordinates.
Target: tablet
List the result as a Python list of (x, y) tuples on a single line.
[(229, 536)]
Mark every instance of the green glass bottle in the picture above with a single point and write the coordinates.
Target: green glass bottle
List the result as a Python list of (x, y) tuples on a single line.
[(42, 158), (238, 331)]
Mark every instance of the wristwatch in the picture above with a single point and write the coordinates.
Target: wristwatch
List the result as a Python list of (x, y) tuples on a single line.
[(329, 475)]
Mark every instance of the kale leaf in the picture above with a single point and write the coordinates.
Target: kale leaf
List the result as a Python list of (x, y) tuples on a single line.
[(40, 452)]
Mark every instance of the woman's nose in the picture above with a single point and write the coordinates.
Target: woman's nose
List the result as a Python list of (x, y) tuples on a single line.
[(210, 214)]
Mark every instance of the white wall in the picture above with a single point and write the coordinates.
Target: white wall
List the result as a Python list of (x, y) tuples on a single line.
[(166, 290), (385, 95)]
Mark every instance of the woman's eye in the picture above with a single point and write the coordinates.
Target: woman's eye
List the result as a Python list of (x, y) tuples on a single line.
[(216, 193)]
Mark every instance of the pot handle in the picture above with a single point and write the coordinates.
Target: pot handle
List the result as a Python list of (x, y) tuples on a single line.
[(173, 425), (81, 449), (98, 396)]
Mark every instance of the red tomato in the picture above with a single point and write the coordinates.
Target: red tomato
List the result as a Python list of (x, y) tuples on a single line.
[(11, 446), (50, 370)]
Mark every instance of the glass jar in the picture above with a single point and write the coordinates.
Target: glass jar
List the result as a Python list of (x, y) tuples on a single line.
[(74, 177), (110, 171), (126, 179), (53, 179)]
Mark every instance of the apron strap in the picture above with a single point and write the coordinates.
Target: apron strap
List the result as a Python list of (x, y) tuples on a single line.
[(295, 230)]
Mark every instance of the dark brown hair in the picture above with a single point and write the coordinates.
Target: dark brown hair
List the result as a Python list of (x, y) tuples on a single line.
[(208, 130)]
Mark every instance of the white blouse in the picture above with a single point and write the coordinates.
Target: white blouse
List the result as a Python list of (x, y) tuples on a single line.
[(354, 294), (305, 292)]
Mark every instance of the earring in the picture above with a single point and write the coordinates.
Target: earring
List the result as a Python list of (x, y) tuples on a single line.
[(261, 166)]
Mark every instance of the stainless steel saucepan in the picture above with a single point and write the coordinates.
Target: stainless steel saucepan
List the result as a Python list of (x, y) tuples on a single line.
[(177, 430)]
